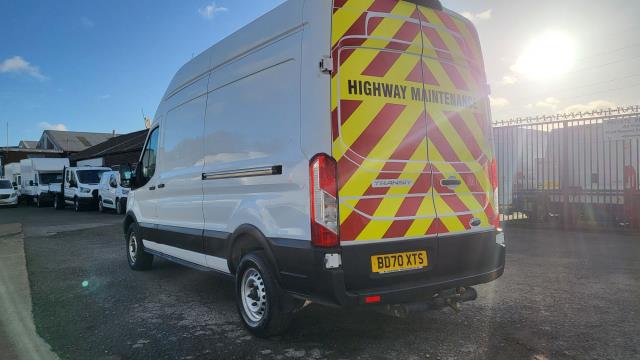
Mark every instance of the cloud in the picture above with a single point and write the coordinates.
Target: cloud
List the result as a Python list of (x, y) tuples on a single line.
[(591, 106), (104, 97), (18, 65), (550, 103), (209, 11), (46, 126), (498, 102), (86, 22), (478, 17), (508, 80)]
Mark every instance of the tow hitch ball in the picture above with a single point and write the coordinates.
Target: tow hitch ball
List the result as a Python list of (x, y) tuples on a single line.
[(453, 297), (442, 299)]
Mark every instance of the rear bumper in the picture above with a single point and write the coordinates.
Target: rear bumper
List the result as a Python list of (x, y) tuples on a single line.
[(456, 261)]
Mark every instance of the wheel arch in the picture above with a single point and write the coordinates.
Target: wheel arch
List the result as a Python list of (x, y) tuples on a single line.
[(245, 239), (129, 219)]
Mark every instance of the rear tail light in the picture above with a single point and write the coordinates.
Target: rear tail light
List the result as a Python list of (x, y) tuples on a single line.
[(493, 176), (324, 201)]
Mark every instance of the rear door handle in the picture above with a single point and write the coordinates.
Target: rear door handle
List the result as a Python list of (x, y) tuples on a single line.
[(160, 186), (451, 182)]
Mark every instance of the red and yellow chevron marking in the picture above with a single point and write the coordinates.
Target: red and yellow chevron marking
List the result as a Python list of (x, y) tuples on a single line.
[(407, 112)]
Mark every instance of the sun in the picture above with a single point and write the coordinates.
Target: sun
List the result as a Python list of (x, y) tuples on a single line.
[(548, 55)]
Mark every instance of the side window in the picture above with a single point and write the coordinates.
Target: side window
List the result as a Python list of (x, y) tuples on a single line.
[(149, 157)]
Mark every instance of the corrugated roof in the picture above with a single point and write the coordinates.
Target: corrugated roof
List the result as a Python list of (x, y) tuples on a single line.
[(119, 144), (28, 144), (73, 141)]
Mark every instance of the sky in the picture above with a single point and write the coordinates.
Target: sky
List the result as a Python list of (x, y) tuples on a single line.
[(98, 65)]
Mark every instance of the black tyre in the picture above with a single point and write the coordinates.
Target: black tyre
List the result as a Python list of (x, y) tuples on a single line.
[(259, 298), (38, 203), (100, 205), (76, 205), (58, 202), (137, 258), (119, 209)]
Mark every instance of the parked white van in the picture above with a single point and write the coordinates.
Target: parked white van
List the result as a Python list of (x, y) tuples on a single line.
[(113, 192), (80, 188), (12, 173), (8, 195), (337, 152), (38, 175)]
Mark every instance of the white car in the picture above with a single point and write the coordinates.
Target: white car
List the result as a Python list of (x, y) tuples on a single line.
[(294, 156), (112, 192), (8, 195)]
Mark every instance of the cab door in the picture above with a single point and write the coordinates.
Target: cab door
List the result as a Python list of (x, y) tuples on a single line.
[(380, 123), (460, 143)]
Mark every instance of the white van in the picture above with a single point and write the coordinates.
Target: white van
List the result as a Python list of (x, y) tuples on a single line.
[(80, 188), (8, 194), (338, 152), (38, 175), (113, 192), (12, 173)]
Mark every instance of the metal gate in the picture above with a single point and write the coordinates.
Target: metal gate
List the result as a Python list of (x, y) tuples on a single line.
[(575, 170)]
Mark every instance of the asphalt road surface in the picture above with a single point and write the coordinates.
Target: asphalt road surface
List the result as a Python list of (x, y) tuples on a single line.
[(563, 296)]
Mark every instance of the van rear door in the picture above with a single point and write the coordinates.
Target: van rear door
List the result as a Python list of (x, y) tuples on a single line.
[(459, 126), (379, 130)]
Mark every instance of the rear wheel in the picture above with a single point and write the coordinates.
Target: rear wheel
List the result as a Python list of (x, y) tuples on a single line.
[(259, 298), (137, 258)]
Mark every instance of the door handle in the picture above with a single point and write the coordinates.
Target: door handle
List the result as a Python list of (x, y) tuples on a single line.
[(451, 182), (160, 186), (152, 188)]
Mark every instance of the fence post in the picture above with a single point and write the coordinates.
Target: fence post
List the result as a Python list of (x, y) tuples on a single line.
[(564, 175)]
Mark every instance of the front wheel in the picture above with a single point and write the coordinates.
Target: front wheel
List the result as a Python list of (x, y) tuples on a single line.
[(137, 258), (100, 205), (38, 203), (259, 298), (76, 204), (58, 204)]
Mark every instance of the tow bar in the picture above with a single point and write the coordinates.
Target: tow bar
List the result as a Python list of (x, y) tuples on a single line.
[(446, 298)]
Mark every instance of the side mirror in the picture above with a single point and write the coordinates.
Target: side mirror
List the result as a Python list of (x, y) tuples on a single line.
[(30, 182), (137, 180), (14, 184), (35, 184)]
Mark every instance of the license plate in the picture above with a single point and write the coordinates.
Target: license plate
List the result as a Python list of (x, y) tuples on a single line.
[(405, 261)]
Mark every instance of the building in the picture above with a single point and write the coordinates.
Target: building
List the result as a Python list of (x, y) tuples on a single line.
[(116, 152), (71, 142), (26, 144)]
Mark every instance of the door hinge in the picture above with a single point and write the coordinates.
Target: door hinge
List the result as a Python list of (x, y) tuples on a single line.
[(326, 65)]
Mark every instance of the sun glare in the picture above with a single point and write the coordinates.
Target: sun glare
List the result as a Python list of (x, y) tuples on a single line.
[(548, 55)]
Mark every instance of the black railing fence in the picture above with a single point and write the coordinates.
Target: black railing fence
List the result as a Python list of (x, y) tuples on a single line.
[(575, 170)]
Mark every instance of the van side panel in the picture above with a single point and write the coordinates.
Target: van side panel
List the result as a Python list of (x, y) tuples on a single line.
[(252, 124), (182, 158)]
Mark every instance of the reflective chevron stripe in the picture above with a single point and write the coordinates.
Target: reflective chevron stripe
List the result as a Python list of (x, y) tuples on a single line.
[(409, 111)]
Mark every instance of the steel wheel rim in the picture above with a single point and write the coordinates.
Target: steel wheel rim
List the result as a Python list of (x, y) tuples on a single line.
[(133, 248), (254, 295), (118, 207)]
